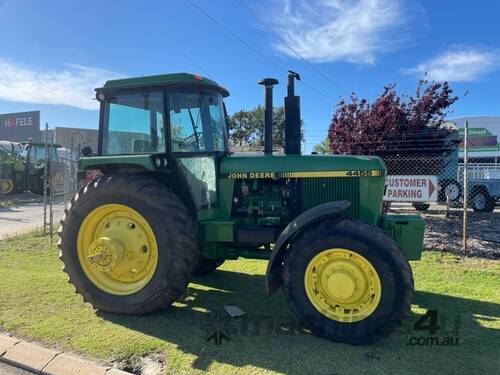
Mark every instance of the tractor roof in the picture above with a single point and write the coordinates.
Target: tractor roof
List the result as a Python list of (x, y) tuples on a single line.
[(172, 79)]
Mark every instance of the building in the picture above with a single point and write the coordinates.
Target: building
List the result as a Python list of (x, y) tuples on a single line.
[(73, 138)]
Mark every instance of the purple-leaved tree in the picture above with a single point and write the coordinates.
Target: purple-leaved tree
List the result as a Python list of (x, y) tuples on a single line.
[(395, 125)]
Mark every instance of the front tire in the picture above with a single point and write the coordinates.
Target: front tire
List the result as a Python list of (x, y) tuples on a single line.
[(347, 281), (128, 244), (451, 189)]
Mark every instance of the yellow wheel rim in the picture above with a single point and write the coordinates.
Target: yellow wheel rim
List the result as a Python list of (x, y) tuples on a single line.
[(117, 249), (6, 185), (342, 285)]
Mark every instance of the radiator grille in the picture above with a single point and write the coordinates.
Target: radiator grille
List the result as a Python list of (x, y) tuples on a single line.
[(326, 189)]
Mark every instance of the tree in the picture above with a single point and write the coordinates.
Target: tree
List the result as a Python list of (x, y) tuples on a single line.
[(246, 128), (395, 125), (323, 147)]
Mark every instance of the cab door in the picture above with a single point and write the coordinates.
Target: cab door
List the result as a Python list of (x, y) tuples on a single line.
[(198, 138)]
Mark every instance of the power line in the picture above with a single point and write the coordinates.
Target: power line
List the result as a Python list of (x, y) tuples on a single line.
[(198, 66), (255, 50), (248, 45), (271, 30)]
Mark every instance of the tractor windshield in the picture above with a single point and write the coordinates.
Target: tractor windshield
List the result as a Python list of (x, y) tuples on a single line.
[(197, 122)]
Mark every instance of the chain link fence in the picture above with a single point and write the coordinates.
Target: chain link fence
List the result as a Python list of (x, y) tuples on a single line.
[(435, 187), (431, 185), (37, 174)]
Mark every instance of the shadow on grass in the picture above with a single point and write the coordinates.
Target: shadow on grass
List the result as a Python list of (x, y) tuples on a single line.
[(268, 336)]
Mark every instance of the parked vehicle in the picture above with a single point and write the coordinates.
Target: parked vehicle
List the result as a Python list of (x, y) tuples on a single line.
[(173, 201), (22, 167), (485, 193)]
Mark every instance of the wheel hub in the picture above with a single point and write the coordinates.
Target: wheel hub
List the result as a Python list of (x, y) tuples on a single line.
[(451, 191), (106, 253), (342, 285), (479, 201)]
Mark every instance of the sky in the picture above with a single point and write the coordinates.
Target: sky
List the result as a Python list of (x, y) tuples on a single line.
[(53, 53)]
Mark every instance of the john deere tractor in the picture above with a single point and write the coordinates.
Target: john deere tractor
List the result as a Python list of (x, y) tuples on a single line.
[(22, 167), (173, 201)]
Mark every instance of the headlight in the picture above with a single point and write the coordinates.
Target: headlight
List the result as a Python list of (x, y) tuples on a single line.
[(158, 162)]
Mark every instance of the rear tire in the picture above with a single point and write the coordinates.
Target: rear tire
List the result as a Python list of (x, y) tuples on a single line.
[(173, 232), (363, 241), (7, 186), (482, 201)]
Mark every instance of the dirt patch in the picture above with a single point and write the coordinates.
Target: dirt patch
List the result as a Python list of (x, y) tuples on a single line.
[(445, 233), (151, 364)]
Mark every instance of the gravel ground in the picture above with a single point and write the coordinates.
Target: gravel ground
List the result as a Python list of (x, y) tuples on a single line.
[(24, 213), (445, 234)]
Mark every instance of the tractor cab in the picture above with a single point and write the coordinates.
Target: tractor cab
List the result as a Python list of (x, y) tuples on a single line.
[(187, 120), (177, 123)]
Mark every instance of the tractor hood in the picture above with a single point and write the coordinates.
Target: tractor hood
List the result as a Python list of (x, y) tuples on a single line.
[(297, 166)]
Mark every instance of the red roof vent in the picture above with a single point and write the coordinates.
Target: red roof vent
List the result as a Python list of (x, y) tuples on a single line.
[(198, 77)]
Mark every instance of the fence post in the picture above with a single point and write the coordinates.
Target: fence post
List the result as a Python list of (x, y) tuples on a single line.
[(51, 189), (45, 173), (466, 203)]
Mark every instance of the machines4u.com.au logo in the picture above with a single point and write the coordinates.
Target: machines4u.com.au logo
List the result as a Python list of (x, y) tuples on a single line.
[(432, 329)]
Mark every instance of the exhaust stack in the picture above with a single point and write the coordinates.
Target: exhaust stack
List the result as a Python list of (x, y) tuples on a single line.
[(292, 117), (268, 83)]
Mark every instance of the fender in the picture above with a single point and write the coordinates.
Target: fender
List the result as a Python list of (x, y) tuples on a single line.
[(305, 219)]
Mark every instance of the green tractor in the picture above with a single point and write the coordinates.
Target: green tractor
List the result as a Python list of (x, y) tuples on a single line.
[(173, 201), (35, 155), (22, 167)]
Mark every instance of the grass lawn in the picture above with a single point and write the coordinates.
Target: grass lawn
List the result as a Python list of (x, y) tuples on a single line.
[(37, 303)]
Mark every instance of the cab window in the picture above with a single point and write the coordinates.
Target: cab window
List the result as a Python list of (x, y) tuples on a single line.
[(197, 122), (133, 124)]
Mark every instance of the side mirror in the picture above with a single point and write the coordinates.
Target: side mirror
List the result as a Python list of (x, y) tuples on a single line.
[(100, 97), (86, 151)]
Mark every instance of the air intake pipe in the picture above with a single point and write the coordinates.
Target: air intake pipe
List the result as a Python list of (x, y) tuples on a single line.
[(292, 117), (268, 84)]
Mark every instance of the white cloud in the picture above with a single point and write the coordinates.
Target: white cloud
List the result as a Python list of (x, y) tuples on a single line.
[(73, 86), (345, 30), (459, 63)]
